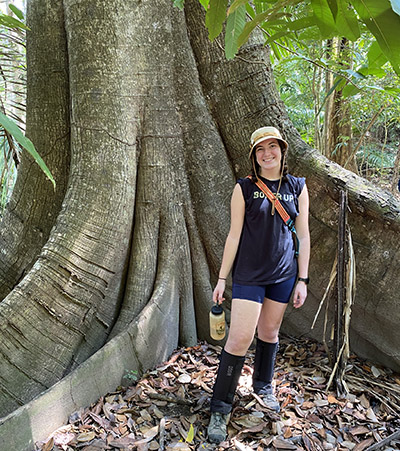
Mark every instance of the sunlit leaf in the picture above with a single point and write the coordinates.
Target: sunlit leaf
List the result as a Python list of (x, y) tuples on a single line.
[(215, 17), (234, 27), (384, 24), (190, 435), (26, 143), (261, 5), (346, 21), (324, 17), (11, 22), (16, 11), (376, 58), (205, 3)]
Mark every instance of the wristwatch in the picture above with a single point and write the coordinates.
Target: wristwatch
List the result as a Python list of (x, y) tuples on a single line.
[(306, 280)]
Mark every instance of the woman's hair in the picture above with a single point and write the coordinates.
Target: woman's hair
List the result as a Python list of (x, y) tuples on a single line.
[(256, 167)]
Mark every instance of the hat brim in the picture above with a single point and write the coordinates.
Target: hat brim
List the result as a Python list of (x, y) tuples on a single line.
[(285, 144)]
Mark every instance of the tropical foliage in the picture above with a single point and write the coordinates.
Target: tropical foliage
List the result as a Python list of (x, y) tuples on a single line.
[(299, 34), (12, 102)]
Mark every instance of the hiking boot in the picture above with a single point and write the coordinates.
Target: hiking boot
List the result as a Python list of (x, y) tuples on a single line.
[(269, 399), (217, 427)]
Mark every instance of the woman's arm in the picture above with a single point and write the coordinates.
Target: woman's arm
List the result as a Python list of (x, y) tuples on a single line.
[(303, 234), (232, 242)]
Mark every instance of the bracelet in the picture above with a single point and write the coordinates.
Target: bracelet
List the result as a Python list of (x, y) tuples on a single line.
[(221, 278)]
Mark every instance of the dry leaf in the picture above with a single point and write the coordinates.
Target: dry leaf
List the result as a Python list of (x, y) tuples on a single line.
[(48, 446), (364, 444), (359, 430), (86, 436), (321, 402), (313, 419), (184, 378), (283, 444), (371, 415), (364, 401), (182, 446), (375, 371), (332, 400), (152, 432)]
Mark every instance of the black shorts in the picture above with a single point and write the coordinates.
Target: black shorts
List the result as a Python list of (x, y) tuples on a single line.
[(279, 292)]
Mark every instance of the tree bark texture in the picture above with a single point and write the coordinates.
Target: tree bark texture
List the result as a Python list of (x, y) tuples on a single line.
[(34, 205), (158, 125)]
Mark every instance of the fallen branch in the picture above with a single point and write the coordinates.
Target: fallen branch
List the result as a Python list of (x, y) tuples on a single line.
[(383, 442)]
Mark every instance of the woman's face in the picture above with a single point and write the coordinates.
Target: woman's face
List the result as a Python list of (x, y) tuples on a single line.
[(269, 154)]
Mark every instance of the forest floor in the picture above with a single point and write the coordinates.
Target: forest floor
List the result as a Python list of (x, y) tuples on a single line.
[(167, 408)]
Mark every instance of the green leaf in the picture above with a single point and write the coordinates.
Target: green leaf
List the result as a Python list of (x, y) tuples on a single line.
[(392, 90), (234, 27), (376, 58), (235, 5), (261, 6), (205, 3), (249, 27), (190, 436), (179, 4), (271, 14), (355, 74), (26, 143), (215, 17), (302, 23), (347, 22), (338, 84), (17, 12), (323, 17), (384, 24), (396, 6), (350, 90), (250, 11), (11, 22)]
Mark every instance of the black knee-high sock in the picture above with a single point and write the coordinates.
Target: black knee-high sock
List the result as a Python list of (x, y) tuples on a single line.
[(264, 364), (229, 370)]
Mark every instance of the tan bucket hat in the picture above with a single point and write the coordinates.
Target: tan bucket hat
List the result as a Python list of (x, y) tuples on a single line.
[(263, 133)]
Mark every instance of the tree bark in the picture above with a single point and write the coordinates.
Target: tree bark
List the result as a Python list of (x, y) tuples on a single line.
[(159, 129), (34, 205), (338, 129)]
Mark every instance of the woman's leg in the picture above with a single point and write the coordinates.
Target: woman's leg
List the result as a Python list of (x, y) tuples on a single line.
[(266, 348), (244, 318), (270, 320)]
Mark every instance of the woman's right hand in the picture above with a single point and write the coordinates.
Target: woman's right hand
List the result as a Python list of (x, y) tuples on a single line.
[(218, 295)]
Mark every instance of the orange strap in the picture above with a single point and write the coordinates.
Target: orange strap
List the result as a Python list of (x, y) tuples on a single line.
[(279, 208), (275, 202)]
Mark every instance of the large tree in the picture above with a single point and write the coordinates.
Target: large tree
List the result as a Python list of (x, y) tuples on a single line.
[(145, 126)]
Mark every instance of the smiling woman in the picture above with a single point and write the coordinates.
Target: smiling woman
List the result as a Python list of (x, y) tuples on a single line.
[(261, 251)]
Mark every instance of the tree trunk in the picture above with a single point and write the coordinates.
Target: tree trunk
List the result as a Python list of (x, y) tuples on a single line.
[(34, 205), (159, 129), (338, 130)]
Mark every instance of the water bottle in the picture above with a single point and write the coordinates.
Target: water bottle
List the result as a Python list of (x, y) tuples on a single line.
[(217, 322)]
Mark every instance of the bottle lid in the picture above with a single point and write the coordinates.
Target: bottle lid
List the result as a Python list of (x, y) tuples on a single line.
[(217, 309)]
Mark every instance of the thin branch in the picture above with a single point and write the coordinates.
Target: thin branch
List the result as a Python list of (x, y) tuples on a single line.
[(374, 118)]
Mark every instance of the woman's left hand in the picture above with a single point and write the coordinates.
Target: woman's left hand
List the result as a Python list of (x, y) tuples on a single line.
[(300, 294)]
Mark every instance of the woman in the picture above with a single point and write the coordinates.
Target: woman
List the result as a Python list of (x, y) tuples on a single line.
[(266, 272)]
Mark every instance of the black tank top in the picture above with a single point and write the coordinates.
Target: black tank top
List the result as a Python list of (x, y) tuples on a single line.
[(266, 249)]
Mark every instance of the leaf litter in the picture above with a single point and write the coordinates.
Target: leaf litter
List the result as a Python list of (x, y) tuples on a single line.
[(167, 409)]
